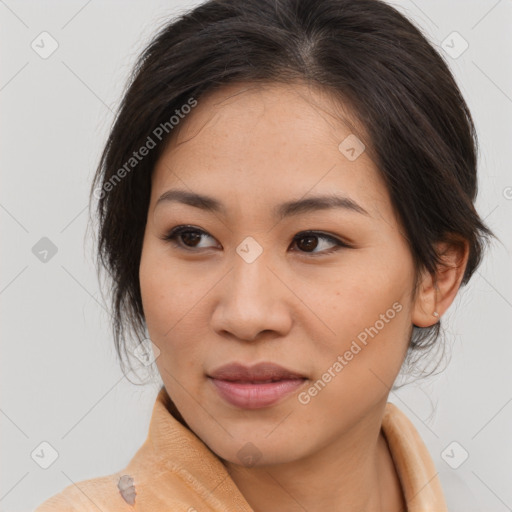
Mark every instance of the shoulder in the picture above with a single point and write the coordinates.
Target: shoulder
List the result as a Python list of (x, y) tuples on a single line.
[(148, 482), (401, 432), (101, 493)]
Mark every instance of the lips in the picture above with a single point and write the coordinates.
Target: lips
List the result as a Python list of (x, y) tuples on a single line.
[(258, 373), (256, 386)]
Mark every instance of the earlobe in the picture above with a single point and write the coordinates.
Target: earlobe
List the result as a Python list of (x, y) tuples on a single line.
[(437, 292), (425, 303)]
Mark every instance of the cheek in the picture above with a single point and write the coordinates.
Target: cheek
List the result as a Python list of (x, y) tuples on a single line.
[(377, 350), (356, 299), (171, 303), (165, 292), (369, 312)]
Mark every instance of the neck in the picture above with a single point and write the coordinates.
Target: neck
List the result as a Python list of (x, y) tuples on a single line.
[(354, 472)]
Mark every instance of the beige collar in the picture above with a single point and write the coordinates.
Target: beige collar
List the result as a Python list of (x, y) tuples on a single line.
[(181, 451)]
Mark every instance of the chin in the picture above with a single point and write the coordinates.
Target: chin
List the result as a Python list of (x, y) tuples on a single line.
[(255, 450)]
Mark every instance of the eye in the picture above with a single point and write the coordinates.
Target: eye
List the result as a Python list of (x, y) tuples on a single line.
[(308, 240), (188, 237)]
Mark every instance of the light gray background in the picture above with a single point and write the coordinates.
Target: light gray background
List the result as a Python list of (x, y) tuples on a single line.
[(60, 380)]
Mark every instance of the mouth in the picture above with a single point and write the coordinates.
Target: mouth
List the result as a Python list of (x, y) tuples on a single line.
[(257, 386)]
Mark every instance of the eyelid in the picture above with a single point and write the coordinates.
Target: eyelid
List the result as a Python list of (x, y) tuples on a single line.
[(321, 234), (338, 242), (176, 231)]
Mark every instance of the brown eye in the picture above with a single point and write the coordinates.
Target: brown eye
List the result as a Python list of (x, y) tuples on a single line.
[(190, 238), (186, 237), (308, 241)]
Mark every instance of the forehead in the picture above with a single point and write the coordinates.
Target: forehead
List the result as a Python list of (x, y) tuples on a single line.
[(268, 141), (278, 106)]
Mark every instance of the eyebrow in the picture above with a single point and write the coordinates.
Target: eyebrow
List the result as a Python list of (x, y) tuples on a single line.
[(287, 209)]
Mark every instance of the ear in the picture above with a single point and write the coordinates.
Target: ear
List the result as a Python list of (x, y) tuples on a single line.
[(437, 292)]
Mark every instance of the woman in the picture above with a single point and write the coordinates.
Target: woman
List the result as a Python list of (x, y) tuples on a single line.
[(286, 207)]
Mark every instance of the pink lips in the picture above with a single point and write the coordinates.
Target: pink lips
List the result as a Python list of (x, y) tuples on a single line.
[(257, 386)]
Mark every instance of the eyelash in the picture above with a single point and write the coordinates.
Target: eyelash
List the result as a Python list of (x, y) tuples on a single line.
[(178, 230)]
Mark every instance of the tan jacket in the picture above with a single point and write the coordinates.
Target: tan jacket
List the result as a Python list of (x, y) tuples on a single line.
[(174, 471)]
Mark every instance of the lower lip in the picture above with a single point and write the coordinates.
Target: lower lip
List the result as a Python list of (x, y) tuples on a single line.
[(255, 396)]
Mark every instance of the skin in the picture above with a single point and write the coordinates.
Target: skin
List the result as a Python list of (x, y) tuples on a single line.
[(253, 147)]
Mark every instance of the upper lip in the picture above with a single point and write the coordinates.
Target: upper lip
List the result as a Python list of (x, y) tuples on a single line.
[(260, 371)]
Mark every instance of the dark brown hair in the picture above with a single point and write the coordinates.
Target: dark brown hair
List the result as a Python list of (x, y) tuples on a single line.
[(417, 126)]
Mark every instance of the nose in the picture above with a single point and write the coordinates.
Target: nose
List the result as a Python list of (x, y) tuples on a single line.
[(252, 302)]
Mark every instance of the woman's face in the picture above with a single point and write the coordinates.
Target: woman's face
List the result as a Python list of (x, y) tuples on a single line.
[(246, 284)]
